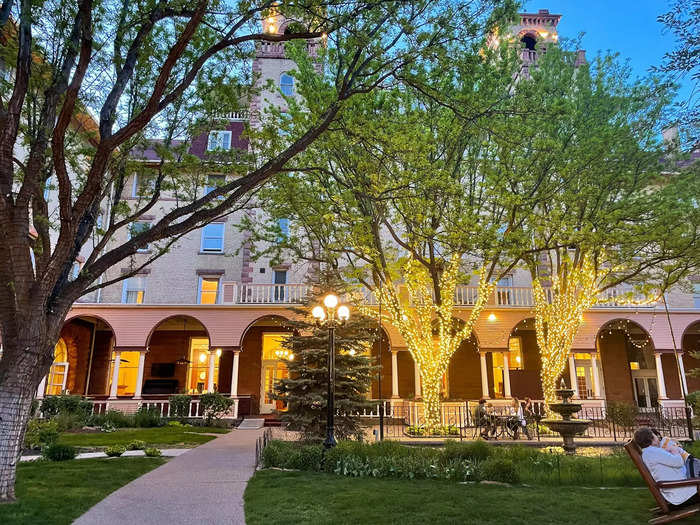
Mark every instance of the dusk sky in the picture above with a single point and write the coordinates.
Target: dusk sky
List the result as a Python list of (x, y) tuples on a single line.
[(625, 26)]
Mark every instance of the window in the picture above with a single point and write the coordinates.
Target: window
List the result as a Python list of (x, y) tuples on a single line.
[(198, 372), (138, 227), (503, 290), (213, 182), (219, 140), (58, 373), (213, 237), (515, 353), (280, 279), (696, 295), (208, 290), (74, 271), (128, 372), (287, 84), (143, 185), (47, 189), (283, 225), (134, 290)]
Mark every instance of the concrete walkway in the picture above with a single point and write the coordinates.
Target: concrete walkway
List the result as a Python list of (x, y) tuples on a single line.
[(204, 485)]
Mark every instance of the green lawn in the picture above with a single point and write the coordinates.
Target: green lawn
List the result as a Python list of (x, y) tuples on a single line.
[(58, 493), (158, 436), (310, 498)]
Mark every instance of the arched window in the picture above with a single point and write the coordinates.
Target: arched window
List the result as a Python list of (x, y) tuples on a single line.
[(529, 42), (287, 84)]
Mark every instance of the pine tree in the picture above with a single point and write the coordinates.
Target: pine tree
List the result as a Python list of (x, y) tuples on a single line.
[(305, 391)]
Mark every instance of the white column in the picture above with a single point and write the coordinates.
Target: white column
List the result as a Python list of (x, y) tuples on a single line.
[(683, 379), (234, 374), (41, 389), (596, 377), (506, 375), (572, 375), (139, 375), (115, 375), (210, 375), (416, 376), (394, 374), (660, 376), (484, 376)]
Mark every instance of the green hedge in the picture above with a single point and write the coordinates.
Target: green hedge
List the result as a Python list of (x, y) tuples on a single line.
[(469, 461)]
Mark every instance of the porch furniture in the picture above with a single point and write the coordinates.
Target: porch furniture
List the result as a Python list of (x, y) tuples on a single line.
[(160, 386), (663, 513)]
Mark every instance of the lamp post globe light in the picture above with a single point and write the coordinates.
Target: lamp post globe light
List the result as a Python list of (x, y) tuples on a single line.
[(330, 316)]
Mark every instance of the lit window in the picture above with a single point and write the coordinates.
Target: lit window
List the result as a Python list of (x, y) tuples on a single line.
[(287, 84), (128, 372), (134, 290), (58, 373), (219, 140), (515, 355), (138, 227), (213, 237), (208, 290), (213, 182), (198, 372)]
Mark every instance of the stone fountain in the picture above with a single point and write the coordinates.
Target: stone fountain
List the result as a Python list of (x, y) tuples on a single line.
[(566, 426)]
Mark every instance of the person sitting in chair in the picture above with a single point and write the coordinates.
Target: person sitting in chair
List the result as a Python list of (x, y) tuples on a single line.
[(484, 420), (666, 465)]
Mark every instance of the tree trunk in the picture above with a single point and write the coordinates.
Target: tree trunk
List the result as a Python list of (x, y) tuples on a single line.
[(26, 360), (16, 394), (431, 389)]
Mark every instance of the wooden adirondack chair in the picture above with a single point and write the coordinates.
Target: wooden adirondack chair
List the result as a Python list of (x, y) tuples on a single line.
[(663, 513)]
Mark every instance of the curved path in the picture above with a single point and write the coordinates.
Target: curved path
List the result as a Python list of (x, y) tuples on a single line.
[(204, 485)]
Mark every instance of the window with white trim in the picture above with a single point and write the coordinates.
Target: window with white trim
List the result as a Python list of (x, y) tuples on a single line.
[(287, 84), (284, 229), (47, 189), (136, 228), (134, 290), (696, 295), (74, 271), (219, 140), (142, 185), (208, 292), (213, 237)]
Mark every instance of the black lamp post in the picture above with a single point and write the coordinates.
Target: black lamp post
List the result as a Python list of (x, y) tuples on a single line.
[(330, 315)]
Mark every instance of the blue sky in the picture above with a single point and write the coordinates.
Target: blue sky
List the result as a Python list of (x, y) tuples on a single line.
[(624, 26)]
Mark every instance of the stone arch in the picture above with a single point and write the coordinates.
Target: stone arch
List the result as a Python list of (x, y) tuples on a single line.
[(269, 317), (170, 317)]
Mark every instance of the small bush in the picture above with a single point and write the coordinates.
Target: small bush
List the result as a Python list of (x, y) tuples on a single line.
[(67, 421), (499, 469), (148, 417), (180, 406), (474, 450), (33, 408), (118, 419), (621, 413), (152, 452), (137, 444), (115, 451), (66, 404), (40, 433), (59, 452), (214, 405), (108, 427)]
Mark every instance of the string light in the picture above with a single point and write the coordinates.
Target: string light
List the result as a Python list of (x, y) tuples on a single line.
[(428, 327)]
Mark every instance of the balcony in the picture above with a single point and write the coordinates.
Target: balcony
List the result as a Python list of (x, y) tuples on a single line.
[(234, 293)]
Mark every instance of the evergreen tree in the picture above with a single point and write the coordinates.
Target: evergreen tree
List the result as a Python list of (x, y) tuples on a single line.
[(305, 391)]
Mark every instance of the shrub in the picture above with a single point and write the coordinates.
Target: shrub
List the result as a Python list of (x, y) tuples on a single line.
[(108, 427), (621, 413), (295, 456), (180, 406), (214, 405), (499, 469), (66, 404), (40, 433), (152, 452), (474, 450), (118, 419), (148, 417), (59, 452), (115, 451), (137, 444), (69, 421), (33, 408)]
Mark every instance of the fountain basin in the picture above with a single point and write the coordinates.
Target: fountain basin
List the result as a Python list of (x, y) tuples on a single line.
[(565, 409), (571, 427)]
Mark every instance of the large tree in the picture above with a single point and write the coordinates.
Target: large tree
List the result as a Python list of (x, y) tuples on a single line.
[(620, 214), (143, 67), (416, 189)]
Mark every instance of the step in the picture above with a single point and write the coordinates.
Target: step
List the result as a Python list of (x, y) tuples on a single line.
[(251, 424)]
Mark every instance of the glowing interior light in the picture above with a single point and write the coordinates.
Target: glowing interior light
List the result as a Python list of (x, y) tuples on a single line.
[(331, 301), (202, 375), (202, 357), (492, 317), (218, 352)]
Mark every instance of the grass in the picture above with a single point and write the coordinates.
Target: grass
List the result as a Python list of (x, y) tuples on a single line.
[(156, 436), (311, 497), (58, 493)]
